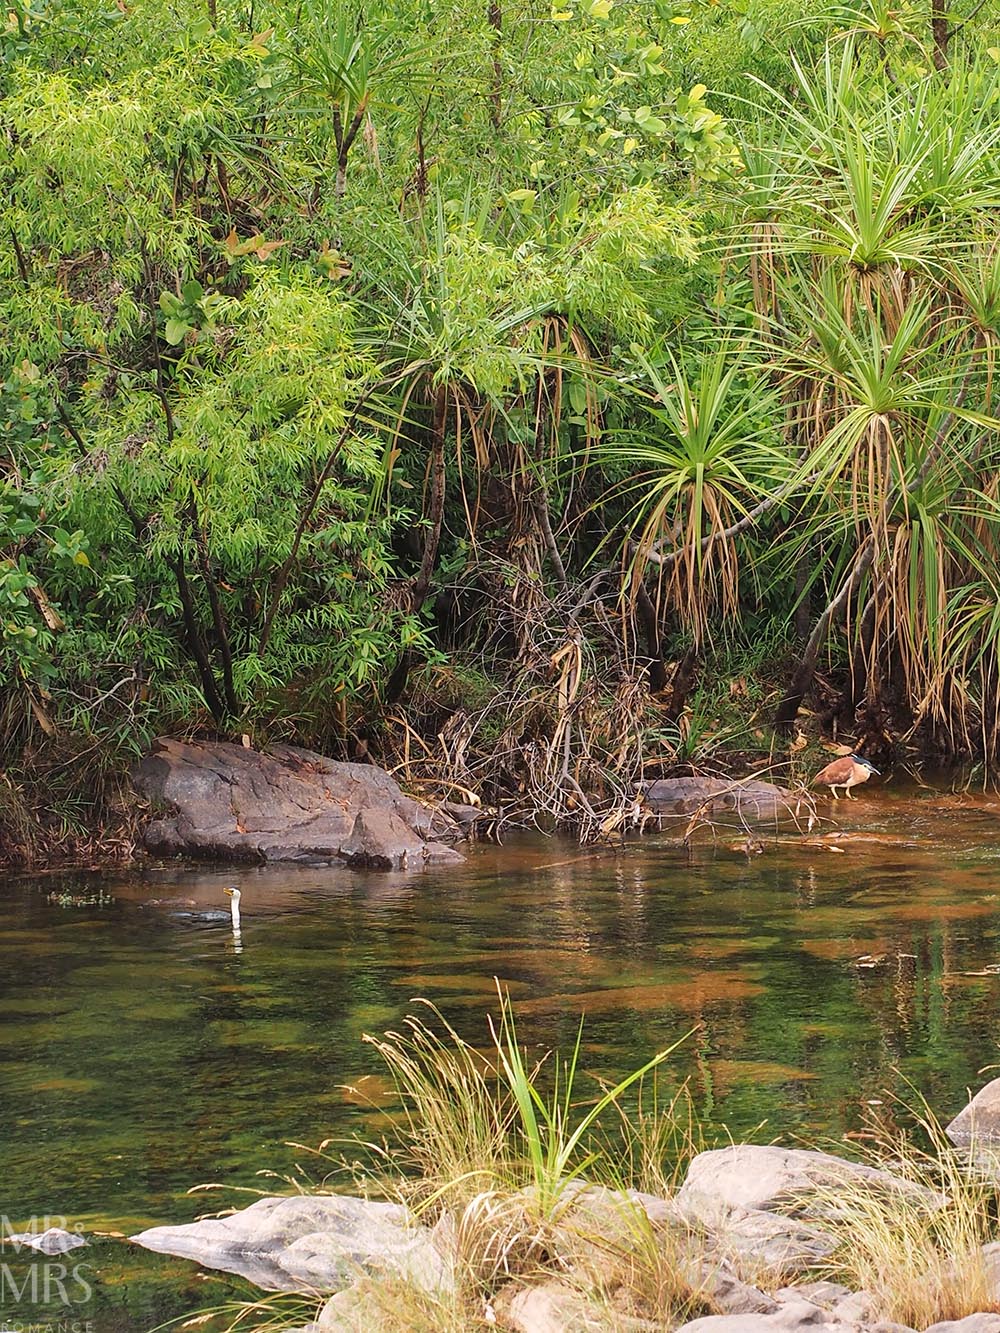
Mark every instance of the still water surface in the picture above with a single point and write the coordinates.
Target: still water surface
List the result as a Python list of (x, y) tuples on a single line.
[(142, 1053)]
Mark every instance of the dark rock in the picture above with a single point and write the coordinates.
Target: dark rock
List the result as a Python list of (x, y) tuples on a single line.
[(978, 1124), (230, 803), (315, 1242), (384, 841), (465, 815), (713, 797), (725, 1293)]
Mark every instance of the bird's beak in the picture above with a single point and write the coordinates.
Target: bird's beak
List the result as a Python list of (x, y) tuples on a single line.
[(228, 892)]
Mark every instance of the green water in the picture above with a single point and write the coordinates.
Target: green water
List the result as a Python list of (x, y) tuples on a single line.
[(142, 1052)]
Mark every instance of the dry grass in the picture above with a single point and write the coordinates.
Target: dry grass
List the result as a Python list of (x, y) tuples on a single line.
[(918, 1250), (491, 1152), (645, 1271)]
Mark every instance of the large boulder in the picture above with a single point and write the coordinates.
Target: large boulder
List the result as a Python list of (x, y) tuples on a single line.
[(977, 1125), (317, 1243), (231, 803), (714, 798), (768, 1177), (766, 1205)]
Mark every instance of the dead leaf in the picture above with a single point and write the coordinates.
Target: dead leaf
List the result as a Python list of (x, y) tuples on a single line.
[(49, 614), (266, 249), (44, 721)]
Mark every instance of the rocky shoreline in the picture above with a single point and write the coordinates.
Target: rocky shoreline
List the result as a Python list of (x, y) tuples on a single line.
[(753, 1232)]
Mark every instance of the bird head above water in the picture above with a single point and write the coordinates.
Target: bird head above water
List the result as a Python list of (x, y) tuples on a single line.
[(850, 770), (233, 894)]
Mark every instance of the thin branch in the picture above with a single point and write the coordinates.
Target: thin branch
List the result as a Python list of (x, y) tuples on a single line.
[(218, 614), (161, 387), (655, 557), (968, 19), (278, 587), (196, 642), (22, 263)]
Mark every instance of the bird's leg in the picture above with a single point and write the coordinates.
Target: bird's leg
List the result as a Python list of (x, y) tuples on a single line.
[(847, 793), (833, 792)]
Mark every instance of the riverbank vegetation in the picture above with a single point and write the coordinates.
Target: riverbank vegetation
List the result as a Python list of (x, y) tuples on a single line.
[(530, 399)]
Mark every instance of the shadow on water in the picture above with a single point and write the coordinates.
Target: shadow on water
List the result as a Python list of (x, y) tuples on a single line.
[(142, 1052)]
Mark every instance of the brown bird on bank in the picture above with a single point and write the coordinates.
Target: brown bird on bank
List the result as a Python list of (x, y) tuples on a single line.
[(850, 770)]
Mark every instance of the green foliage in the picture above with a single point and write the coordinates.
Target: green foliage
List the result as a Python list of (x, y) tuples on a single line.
[(297, 314)]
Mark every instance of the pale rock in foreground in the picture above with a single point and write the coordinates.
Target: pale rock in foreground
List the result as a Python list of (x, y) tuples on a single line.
[(977, 1125), (313, 1242), (767, 1177), (973, 1323), (733, 1193), (792, 1317), (556, 1307)]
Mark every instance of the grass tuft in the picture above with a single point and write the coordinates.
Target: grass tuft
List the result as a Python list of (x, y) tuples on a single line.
[(917, 1250)]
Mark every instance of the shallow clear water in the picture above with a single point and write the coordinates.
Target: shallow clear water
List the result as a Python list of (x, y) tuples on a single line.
[(141, 1053)]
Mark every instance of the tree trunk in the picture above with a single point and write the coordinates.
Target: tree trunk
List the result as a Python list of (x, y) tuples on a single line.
[(495, 19), (421, 585), (791, 703), (649, 624), (940, 33)]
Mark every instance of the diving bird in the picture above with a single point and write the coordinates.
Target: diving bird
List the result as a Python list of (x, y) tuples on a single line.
[(234, 906), (848, 771)]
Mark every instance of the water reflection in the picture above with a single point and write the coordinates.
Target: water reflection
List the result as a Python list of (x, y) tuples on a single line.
[(142, 1052)]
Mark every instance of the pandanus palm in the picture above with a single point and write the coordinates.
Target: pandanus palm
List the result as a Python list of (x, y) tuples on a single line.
[(448, 330), (704, 468), (887, 364)]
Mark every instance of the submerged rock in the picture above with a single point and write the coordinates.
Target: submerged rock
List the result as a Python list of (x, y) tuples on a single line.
[(285, 804), (318, 1243), (746, 801), (56, 1240)]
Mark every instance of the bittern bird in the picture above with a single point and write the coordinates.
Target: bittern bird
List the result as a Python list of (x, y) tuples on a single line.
[(848, 771)]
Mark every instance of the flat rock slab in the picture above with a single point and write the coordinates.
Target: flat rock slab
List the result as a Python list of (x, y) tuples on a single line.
[(230, 803), (788, 1319), (746, 802), (318, 1243)]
